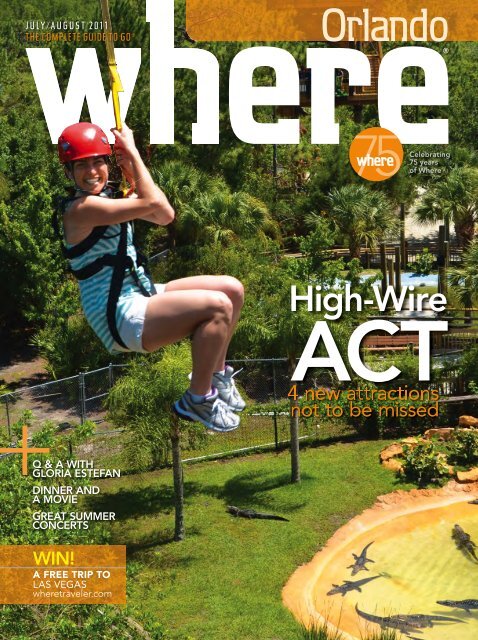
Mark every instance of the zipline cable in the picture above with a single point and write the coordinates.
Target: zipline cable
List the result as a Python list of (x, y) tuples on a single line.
[(115, 80)]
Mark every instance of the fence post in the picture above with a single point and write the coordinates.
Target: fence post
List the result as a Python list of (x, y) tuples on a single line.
[(383, 267), (441, 259), (81, 385), (110, 375), (8, 417), (390, 271), (274, 419), (276, 431), (403, 263), (274, 387), (398, 274)]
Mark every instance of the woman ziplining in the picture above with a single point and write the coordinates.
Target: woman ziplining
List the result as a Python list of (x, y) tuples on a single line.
[(122, 305)]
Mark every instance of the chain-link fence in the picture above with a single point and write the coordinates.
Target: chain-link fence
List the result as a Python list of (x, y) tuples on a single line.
[(265, 384), (266, 423), (65, 402), (57, 400), (94, 387)]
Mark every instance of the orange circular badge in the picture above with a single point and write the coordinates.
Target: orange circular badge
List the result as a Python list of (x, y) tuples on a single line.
[(376, 154)]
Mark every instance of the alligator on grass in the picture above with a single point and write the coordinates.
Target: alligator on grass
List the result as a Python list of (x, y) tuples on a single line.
[(361, 560), (250, 513)]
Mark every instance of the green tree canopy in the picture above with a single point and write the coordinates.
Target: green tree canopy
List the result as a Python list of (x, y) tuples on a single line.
[(453, 199), (360, 215)]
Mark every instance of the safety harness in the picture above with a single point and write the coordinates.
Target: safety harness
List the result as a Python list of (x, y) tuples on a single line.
[(121, 262)]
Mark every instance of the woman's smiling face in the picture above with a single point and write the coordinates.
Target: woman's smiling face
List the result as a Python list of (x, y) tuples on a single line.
[(90, 174)]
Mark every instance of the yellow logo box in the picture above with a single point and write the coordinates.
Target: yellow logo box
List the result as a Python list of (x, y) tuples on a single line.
[(321, 20), (63, 574)]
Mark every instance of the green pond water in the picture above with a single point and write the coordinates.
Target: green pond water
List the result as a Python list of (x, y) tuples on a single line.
[(420, 564)]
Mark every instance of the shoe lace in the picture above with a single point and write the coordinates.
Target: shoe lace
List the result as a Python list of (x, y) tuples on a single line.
[(221, 410), (236, 372), (234, 391)]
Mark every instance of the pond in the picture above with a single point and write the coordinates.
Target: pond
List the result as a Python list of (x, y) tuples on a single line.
[(413, 561)]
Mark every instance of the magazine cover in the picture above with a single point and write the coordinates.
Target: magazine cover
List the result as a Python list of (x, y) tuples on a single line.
[(239, 343)]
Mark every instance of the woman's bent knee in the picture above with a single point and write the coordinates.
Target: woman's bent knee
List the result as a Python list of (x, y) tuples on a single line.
[(221, 305), (234, 289)]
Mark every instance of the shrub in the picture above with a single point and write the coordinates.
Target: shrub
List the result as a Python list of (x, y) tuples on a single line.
[(141, 401), (423, 263), (469, 368), (424, 463), (464, 448), (71, 347), (319, 632)]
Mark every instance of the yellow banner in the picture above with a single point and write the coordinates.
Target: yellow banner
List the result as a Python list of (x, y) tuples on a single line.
[(316, 20), (63, 574)]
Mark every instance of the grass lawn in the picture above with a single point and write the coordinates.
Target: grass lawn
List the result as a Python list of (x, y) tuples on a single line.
[(224, 581)]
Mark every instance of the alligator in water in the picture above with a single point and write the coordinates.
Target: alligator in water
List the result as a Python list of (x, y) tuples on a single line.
[(422, 620), (390, 622), (463, 541), (467, 605), (350, 585), (405, 623), (360, 561), (250, 513)]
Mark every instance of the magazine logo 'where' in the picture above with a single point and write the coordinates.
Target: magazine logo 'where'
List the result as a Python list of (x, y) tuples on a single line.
[(86, 84)]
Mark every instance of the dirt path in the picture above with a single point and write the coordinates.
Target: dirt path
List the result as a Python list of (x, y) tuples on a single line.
[(21, 366), (24, 373)]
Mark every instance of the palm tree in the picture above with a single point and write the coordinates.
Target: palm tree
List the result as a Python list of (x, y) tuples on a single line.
[(225, 216), (182, 183), (360, 215), (207, 211), (453, 200), (464, 279)]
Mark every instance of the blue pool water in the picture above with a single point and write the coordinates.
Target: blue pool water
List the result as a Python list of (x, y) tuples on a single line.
[(410, 278)]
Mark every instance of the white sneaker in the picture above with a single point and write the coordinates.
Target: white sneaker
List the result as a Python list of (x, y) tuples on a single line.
[(226, 387), (212, 412)]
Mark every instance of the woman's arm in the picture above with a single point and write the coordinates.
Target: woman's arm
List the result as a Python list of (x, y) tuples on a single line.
[(138, 176), (150, 204)]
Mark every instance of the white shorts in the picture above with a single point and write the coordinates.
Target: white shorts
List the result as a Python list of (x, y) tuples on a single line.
[(132, 323)]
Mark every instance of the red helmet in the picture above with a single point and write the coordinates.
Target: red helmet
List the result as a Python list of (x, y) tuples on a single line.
[(82, 140)]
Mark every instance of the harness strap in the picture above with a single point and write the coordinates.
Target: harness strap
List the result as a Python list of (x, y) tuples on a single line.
[(120, 261), (142, 261), (85, 245), (117, 278), (82, 247), (95, 267)]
